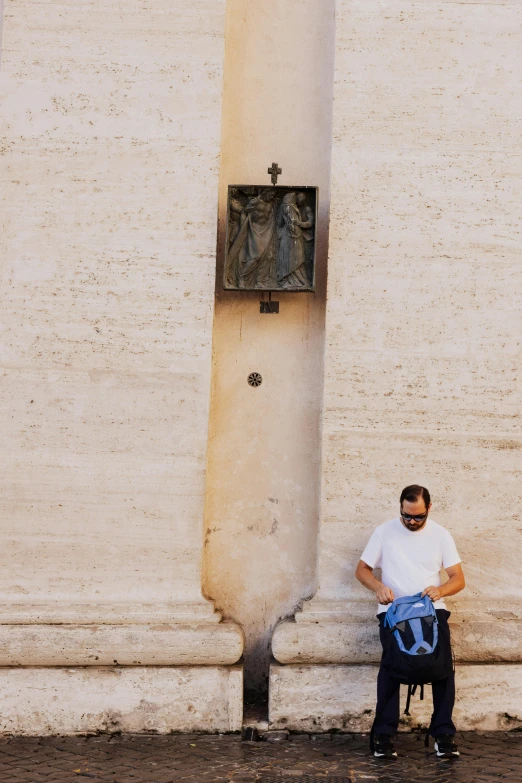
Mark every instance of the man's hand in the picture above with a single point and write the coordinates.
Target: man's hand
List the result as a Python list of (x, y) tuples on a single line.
[(433, 593), (365, 576), (384, 594)]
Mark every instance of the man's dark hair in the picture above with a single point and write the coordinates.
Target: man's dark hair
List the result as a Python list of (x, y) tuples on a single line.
[(414, 492)]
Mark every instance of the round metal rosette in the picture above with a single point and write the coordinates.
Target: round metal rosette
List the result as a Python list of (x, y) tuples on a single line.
[(255, 379)]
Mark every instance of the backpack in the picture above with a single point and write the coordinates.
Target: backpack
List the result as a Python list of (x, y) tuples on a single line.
[(414, 649), (415, 653)]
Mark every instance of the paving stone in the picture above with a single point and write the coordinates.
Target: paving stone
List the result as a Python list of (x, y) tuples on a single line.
[(225, 759)]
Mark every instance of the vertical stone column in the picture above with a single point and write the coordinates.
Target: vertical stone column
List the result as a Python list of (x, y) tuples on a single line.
[(264, 452), (110, 133), (422, 324)]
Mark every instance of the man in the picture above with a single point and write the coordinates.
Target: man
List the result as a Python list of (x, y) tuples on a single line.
[(251, 258), (411, 550)]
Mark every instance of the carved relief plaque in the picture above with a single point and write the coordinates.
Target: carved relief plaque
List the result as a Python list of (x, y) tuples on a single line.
[(270, 243)]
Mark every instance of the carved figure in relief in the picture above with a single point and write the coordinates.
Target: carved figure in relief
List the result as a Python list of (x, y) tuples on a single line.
[(270, 238), (291, 259), (236, 208), (307, 226), (252, 254)]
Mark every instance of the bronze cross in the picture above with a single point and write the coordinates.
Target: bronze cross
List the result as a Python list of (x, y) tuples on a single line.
[(275, 171)]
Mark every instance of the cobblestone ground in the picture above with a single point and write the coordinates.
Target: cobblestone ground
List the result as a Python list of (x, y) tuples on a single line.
[(219, 759)]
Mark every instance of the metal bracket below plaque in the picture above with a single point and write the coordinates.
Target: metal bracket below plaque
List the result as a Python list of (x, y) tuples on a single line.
[(269, 307)]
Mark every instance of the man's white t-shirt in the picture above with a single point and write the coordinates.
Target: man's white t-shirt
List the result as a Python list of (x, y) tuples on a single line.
[(410, 560)]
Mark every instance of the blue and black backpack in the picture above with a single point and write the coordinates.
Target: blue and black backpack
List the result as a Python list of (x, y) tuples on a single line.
[(416, 649)]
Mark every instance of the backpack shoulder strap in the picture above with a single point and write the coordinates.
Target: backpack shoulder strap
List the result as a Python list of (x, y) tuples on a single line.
[(408, 700)]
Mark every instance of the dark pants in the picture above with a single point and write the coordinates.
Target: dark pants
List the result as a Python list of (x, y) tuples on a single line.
[(388, 695)]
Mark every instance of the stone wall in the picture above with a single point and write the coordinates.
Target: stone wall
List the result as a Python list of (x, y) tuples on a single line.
[(110, 142), (423, 348), (423, 318), (111, 118)]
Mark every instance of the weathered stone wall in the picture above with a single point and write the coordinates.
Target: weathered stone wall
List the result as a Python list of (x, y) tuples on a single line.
[(157, 700), (110, 141), (322, 698), (423, 347), (423, 317)]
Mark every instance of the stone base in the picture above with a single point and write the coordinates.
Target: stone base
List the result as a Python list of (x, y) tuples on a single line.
[(175, 644), (162, 700), (318, 698), (345, 632)]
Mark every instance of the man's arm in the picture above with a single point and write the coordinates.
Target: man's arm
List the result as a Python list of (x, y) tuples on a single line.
[(365, 576), (309, 219), (454, 585)]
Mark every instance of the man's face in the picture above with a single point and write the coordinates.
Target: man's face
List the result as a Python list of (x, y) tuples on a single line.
[(415, 509), (301, 198)]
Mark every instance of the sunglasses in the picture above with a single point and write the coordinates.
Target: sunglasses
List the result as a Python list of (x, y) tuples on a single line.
[(416, 518)]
